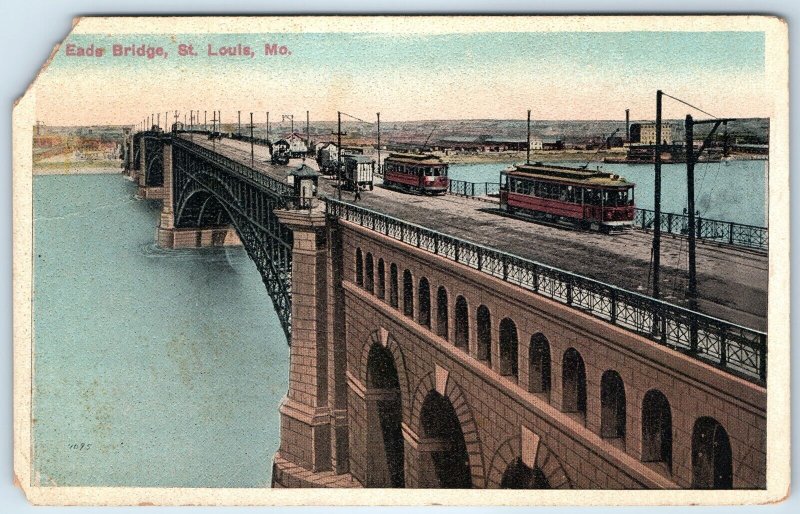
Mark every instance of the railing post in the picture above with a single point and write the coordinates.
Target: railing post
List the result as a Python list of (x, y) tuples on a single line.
[(456, 250), (505, 267), (436, 243), (480, 259), (536, 278), (699, 233), (762, 354), (693, 343), (569, 290), (669, 223), (723, 349), (730, 233), (473, 188), (419, 237), (613, 318)]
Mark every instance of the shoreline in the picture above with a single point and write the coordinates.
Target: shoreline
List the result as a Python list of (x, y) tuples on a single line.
[(556, 156), (75, 168)]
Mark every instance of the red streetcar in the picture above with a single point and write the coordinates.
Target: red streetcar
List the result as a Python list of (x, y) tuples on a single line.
[(593, 199), (420, 173)]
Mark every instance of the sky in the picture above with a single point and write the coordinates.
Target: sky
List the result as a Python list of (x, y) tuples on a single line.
[(558, 75)]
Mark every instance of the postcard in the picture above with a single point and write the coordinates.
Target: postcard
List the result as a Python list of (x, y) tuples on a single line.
[(315, 260)]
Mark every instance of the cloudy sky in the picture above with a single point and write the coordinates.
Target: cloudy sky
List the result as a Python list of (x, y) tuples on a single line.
[(406, 76)]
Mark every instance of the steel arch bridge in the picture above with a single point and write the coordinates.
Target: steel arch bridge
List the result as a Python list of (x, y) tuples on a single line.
[(210, 190)]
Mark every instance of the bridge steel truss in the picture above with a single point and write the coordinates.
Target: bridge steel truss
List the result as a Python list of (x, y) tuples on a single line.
[(153, 143), (210, 190), (137, 149), (739, 350)]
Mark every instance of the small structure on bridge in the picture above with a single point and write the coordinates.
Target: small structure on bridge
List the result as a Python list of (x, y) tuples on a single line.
[(304, 180)]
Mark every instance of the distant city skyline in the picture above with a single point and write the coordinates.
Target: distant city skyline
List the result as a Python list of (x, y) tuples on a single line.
[(559, 76)]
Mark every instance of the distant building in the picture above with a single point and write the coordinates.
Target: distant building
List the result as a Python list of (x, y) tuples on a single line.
[(552, 144), (645, 133), (295, 144)]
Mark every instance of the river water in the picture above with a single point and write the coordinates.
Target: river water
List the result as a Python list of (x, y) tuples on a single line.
[(167, 366), (730, 191)]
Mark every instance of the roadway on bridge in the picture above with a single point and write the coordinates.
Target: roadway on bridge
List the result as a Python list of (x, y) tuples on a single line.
[(732, 283)]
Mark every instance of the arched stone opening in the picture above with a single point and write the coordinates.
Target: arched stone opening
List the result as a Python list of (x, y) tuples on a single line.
[(509, 348), (484, 320), (519, 476), (573, 383), (359, 268), (393, 286), (462, 324), (369, 274), (385, 445), (712, 459), (442, 313), (657, 429), (381, 287), (444, 461), (424, 302), (539, 367), (408, 294), (612, 406)]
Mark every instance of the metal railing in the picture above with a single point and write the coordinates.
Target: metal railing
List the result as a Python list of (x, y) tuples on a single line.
[(736, 349), (258, 178), (464, 188), (725, 232)]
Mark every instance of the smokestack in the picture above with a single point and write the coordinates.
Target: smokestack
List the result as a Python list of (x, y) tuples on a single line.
[(627, 125)]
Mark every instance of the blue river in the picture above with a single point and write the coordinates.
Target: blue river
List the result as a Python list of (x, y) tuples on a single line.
[(152, 368)]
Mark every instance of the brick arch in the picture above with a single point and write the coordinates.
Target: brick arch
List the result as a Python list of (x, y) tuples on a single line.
[(465, 417), (399, 363), (546, 460)]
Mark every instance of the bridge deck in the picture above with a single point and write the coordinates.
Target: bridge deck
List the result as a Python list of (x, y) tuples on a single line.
[(732, 283)]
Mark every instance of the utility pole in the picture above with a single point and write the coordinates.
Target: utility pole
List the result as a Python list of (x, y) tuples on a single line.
[(657, 201), (690, 160), (240, 123), (339, 135), (252, 147), (159, 120), (308, 134), (528, 156), (268, 141), (205, 120), (175, 126), (379, 144)]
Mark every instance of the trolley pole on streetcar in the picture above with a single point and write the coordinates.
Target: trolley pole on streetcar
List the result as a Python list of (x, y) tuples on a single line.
[(308, 134), (528, 155)]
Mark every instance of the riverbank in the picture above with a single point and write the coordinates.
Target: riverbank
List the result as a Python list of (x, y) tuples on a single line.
[(561, 156), (77, 168)]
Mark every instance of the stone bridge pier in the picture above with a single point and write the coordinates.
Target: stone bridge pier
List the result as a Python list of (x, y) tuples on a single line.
[(168, 233)]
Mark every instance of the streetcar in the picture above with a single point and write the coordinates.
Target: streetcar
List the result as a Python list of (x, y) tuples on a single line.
[(419, 173), (589, 199), (358, 171)]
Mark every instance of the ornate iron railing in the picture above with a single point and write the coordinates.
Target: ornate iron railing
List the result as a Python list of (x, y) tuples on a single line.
[(725, 232), (736, 349), (464, 188)]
